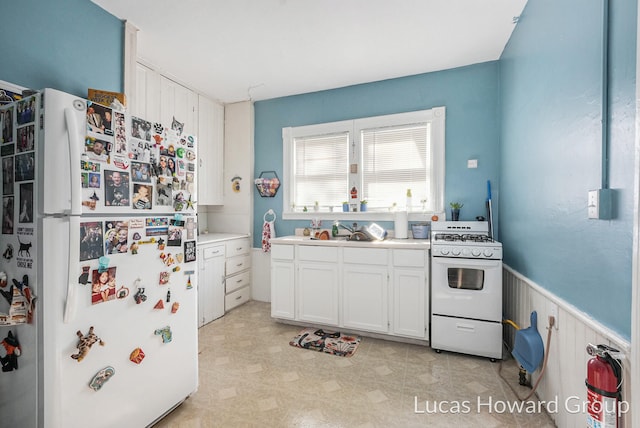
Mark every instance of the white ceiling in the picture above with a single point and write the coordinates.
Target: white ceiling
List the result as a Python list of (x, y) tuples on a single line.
[(234, 50)]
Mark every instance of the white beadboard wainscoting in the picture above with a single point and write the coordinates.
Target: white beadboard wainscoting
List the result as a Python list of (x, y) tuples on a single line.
[(564, 378)]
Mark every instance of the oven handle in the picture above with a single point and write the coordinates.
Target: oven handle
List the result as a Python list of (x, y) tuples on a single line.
[(471, 263)]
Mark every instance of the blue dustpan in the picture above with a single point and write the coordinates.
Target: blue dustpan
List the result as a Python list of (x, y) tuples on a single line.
[(528, 348)]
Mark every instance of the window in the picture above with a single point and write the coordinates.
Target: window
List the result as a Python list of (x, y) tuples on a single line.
[(380, 157)]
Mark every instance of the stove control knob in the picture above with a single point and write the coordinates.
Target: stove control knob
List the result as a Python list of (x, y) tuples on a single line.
[(488, 253), (444, 251), (465, 252), (475, 252), (455, 251)]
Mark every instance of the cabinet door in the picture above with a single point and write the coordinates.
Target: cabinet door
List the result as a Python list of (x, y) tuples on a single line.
[(146, 104), (282, 289), (211, 284), (210, 151), (365, 301), (179, 102), (410, 302), (317, 287)]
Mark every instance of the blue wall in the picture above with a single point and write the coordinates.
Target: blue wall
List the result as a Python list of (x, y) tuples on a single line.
[(551, 154), (470, 94), (69, 45)]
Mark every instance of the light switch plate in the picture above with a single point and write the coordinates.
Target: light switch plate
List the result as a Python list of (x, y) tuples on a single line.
[(472, 163), (599, 204)]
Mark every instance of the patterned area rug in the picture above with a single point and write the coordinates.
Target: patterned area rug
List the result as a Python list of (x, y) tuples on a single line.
[(333, 343)]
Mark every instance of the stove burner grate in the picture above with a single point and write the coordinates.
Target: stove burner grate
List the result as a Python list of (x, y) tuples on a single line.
[(467, 237)]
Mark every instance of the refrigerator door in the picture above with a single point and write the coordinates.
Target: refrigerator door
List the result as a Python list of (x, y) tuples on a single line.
[(98, 160), (19, 324), (141, 305)]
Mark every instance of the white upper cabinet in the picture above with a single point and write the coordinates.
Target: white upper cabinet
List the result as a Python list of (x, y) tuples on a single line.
[(180, 103), (160, 99), (211, 152), (146, 104)]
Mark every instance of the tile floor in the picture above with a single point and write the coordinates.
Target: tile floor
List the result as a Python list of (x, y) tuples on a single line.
[(251, 377)]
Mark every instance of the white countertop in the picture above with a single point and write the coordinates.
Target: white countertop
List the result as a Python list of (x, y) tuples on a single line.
[(423, 244), (206, 238)]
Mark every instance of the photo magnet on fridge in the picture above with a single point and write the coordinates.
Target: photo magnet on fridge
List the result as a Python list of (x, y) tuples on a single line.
[(140, 128), (26, 111), (103, 285), (6, 125), (97, 149), (142, 194), (189, 251), (7, 215), (25, 166), (116, 237), (116, 188), (99, 118), (7, 175), (26, 203), (26, 138), (91, 240)]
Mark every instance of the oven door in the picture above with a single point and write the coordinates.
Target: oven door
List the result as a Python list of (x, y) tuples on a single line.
[(466, 288)]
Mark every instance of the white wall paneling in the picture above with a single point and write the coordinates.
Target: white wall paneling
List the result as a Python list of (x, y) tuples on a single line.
[(567, 362)]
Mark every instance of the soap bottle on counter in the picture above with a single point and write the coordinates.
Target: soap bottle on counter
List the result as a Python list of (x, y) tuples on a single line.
[(409, 200)]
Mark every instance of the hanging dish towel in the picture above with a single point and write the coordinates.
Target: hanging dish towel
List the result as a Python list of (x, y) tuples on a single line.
[(268, 230)]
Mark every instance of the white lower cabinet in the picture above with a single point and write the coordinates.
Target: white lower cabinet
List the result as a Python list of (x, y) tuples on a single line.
[(283, 276), (365, 289), (410, 298), (211, 295), (237, 273), (317, 285), (376, 290), (410, 312)]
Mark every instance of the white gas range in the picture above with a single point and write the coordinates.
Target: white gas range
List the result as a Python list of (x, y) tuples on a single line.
[(466, 289), (464, 239)]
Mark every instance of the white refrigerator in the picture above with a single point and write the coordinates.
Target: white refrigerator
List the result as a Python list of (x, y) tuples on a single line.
[(98, 312)]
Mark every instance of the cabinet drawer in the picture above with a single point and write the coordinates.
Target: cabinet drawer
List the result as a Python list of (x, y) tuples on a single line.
[(236, 247), (213, 251), (414, 258), (282, 252), (237, 298), (235, 282), (237, 264), (318, 254), (365, 256)]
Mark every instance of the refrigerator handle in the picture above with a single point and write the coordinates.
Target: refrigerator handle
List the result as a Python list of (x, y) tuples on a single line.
[(75, 153), (72, 281)]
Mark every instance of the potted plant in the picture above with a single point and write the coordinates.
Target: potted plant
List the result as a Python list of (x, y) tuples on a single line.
[(455, 210), (363, 205), (345, 206)]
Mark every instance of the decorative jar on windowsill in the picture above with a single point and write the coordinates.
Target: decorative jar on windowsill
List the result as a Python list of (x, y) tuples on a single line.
[(363, 205), (345, 207)]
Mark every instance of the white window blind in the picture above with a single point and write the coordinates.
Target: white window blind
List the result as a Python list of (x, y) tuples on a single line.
[(378, 158), (321, 169), (395, 159)]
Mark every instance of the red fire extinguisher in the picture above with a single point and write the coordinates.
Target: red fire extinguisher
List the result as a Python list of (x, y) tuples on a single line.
[(604, 378)]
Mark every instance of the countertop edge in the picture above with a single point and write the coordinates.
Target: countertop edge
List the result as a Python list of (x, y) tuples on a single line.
[(212, 238), (410, 243)]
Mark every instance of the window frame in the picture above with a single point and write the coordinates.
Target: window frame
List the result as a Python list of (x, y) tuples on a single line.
[(436, 116)]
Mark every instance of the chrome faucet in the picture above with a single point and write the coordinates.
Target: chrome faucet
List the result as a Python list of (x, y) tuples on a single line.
[(350, 229)]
